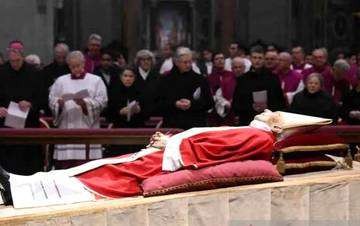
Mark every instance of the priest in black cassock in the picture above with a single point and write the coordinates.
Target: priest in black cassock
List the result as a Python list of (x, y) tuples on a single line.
[(185, 95), (257, 90), (52, 71), (20, 83), (147, 82)]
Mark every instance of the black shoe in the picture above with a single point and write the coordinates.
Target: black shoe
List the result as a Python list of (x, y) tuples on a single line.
[(5, 190)]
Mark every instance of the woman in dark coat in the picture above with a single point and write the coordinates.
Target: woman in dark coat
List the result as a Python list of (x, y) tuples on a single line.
[(313, 100), (124, 102), (124, 109)]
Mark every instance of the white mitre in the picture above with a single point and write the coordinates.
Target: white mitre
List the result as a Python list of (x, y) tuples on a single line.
[(280, 121)]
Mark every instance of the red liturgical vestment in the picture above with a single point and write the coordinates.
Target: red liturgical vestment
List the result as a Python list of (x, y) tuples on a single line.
[(203, 149)]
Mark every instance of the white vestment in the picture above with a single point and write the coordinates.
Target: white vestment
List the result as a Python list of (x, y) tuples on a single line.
[(72, 116)]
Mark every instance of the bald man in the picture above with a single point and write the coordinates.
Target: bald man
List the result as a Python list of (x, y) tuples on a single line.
[(238, 66), (288, 77)]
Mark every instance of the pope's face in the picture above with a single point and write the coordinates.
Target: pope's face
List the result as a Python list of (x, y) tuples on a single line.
[(272, 119), (265, 116)]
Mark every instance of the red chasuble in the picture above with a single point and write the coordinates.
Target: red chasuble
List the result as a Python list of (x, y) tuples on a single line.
[(200, 150), (216, 147)]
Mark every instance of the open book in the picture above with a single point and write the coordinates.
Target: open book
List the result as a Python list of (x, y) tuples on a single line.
[(78, 95)]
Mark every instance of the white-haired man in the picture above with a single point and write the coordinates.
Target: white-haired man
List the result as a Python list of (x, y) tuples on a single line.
[(238, 66), (59, 66), (52, 71), (147, 80), (93, 54), (185, 95), (341, 81), (76, 101)]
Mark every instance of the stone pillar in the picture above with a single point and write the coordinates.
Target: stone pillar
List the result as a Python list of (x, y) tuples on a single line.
[(30, 21), (225, 24), (270, 21), (131, 22)]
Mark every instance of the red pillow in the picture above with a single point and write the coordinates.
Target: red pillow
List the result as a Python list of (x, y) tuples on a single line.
[(223, 175)]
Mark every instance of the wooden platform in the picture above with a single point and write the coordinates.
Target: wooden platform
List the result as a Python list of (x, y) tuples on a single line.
[(308, 199)]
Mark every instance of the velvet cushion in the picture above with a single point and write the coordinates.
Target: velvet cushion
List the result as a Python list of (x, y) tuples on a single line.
[(223, 175), (309, 158), (307, 164), (309, 139)]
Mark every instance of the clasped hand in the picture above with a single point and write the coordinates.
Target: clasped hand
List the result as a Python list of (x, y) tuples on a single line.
[(125, 110), (3, 112)]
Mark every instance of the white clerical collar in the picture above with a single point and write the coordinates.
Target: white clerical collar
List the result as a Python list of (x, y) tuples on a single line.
[(209, 66), (143, 73), (260, 125), (167, 65)]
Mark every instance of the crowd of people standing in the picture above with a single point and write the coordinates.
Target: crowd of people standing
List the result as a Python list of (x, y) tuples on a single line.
[(185, 88)]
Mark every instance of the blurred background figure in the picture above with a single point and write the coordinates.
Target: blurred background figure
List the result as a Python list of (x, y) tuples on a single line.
[(350, 110), (222, 85), (120, 61), (308, 101), (2, 59), (92, 53), (341, 84), (106, 70), (34, 60), (165, 61), (205, 62), (238, 66), (52, 71), (233, 52), (271, 60), (298, 57)]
